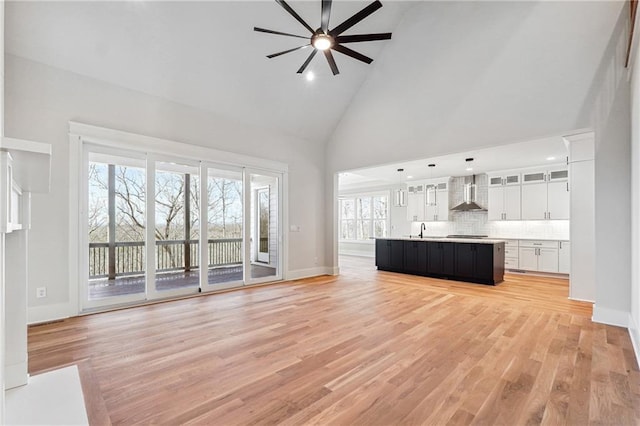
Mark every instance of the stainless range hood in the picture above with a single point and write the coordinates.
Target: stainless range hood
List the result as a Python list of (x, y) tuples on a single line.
[(469, 197)]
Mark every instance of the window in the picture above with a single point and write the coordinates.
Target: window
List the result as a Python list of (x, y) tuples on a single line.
[(363, 217)]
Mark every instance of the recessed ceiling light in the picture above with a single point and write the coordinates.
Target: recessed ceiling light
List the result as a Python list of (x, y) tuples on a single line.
[(310, 76), (409, 177), (469, 169), (551, 158)]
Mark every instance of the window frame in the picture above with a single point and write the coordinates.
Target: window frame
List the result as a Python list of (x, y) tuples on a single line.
[(372, 219)]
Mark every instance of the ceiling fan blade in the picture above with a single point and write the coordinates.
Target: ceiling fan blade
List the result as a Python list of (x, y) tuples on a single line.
[(326, 13), (332, 62), (352, 53), (262, 30), (273, 55), (356, 18), (363, 37), (306, 63), (294, 14)]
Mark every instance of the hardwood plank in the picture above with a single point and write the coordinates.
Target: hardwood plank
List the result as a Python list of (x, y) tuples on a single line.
[(365, 347)]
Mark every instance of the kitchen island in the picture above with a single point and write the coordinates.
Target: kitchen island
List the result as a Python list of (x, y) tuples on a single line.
[(464, 259)]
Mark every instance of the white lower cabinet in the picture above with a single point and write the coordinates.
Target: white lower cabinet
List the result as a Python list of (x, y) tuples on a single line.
[(564, 257), (528, 259), (536, 255), (548, 260), (511, 254)]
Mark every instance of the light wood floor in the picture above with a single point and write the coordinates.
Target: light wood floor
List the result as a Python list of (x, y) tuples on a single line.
[(366, 347)]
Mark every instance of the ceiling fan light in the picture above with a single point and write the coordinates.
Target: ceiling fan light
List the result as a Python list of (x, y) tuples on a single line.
[(322, 42)]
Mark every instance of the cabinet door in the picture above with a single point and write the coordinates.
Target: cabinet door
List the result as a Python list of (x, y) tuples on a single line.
[(548, 260), (430, 213), (564, 257), (512, 202), (412, 206), (448, 258), (484, 262), (496, 203), (528, 259), (465, 260), (415, 206), (415, 257), (558, 200), (383, 253), (397, 255), (442, 213), (534, 201), (434, 258), (440, 258)]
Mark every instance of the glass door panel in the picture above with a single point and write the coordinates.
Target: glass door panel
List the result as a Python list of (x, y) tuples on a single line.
[(265, 247), (224, 210), (177, 234), (115, 209)]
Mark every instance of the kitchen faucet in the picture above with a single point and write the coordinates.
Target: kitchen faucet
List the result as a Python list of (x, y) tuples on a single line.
[(423, 227)]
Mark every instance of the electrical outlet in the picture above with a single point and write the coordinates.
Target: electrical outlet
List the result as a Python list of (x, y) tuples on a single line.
[(41, 292)]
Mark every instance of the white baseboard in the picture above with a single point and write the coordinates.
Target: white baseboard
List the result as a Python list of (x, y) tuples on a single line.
[(356, 253), (634, 334), (310, 272), (46, 313), (610, 316), (580, 300)]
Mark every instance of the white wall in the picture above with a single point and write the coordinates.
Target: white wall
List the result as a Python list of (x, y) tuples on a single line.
[(40, 102), (634, 326), (610, 118), (2, 237)]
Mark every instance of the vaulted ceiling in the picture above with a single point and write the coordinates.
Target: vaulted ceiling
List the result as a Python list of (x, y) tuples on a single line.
[(206, 55)]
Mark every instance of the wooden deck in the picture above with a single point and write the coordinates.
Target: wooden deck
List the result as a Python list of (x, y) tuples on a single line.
[(103, 288), (367, 347)]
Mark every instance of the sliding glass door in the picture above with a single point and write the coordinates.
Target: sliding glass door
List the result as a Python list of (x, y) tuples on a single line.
[(159, 227), (224, 230), (115, 265), (176, 230)]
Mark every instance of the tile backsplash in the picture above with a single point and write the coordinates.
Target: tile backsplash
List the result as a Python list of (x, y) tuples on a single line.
[(476, 223)]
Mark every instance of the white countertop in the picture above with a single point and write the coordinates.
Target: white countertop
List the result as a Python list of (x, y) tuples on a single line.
[(448, 240)]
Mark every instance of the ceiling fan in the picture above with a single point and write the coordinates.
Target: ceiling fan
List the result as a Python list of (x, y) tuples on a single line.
[(324, 39)]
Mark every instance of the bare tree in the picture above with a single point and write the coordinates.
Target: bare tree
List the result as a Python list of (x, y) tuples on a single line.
[(224, 194)]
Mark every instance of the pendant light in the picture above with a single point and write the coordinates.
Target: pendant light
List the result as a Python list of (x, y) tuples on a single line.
[(400, 194)]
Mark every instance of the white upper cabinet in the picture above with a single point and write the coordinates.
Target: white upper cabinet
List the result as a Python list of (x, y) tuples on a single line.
[(428, 201), (558, 200), (504, 196), (437, 200), (534, 201), (545, 194), (415, 202)]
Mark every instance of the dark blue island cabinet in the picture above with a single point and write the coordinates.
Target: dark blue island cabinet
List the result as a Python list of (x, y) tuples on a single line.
[(478, 262), (390, 255)]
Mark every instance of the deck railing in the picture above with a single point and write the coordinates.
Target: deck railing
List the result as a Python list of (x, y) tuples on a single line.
[(170, 256)]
